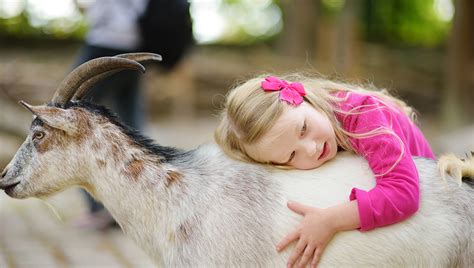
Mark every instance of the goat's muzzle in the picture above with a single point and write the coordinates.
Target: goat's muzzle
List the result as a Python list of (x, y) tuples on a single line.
[(6, 185), (8, 188)]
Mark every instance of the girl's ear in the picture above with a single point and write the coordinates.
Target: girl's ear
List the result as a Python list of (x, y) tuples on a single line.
[(54, 117)]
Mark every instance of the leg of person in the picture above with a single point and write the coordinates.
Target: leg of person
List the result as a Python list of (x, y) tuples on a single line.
[(129, 101)]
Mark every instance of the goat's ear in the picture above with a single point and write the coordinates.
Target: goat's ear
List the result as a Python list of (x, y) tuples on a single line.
[(54, 117)]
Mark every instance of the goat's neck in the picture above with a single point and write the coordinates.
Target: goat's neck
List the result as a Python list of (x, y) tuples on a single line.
[(133, 185)]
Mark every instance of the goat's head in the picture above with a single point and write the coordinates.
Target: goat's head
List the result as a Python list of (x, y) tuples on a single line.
[(52, 156)]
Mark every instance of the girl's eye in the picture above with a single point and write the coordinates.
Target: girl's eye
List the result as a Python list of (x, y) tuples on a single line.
[(38, 135), (303, 129)]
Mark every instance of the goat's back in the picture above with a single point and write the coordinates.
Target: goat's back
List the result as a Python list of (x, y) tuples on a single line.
[(238, 214)]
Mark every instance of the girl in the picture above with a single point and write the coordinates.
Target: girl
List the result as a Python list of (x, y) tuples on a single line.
[(303, 124)]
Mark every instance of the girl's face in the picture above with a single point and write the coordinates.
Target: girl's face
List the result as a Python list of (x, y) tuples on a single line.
[(302, 138)]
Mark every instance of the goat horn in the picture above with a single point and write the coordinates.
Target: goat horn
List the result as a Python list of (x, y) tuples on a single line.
[(138, 57), (141, 56), (85, 71)]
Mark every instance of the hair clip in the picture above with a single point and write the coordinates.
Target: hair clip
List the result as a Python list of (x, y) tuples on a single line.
[(290, 92)]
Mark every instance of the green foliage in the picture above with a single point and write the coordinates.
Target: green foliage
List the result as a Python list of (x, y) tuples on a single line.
[(20, 27), (403, 22), (249, 21), (397, 22), (332, 7)]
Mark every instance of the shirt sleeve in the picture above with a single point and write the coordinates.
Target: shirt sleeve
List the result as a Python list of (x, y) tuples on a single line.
[(396, 194)]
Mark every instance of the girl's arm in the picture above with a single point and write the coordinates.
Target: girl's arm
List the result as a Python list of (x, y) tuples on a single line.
[(345, 216), (396, 194)]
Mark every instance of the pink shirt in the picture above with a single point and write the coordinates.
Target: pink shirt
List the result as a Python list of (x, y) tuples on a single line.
[(396, 194)]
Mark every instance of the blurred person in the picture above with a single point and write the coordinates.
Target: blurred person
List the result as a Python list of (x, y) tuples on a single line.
[(125, 26)]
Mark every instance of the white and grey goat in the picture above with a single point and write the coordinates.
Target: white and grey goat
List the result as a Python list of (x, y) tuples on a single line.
[(199, 208)]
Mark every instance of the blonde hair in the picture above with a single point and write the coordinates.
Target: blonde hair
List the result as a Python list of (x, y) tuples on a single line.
[(249, 112)]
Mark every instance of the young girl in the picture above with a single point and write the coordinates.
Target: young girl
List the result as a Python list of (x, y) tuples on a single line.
[(301, 122)]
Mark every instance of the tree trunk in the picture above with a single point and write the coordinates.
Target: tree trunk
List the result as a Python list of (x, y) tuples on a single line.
[(348, 37), (300, 18), (457, 105)]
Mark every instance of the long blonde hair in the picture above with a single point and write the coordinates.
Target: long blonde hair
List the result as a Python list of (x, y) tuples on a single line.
[(249, 112)]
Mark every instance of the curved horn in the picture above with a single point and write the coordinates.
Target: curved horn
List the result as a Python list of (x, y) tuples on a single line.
[(141, 56), (85, 71), (138, 57)]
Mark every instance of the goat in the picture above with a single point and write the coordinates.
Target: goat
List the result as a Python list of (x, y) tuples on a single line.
[(200, 208)]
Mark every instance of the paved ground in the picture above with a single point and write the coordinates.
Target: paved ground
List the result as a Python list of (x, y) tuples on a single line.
[(31, 235)]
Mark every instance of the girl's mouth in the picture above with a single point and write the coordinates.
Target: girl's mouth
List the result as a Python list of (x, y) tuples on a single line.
[(325, 151)]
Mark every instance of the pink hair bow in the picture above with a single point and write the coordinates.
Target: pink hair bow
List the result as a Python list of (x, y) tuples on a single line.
[(290, 92)]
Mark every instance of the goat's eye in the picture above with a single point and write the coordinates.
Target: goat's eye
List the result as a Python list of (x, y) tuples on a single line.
[(38, 135)]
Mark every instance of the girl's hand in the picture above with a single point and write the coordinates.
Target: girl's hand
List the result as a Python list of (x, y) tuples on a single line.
[(313, 234)]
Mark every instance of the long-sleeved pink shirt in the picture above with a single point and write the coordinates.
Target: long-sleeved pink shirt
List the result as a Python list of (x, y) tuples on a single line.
[(396, 194)]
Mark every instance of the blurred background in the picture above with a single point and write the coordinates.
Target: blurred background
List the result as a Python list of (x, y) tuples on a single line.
[(420, 50)]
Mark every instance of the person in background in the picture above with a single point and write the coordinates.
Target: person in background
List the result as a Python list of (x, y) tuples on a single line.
[(125, 26)]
